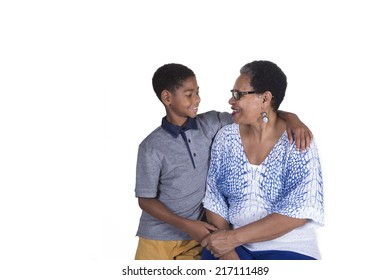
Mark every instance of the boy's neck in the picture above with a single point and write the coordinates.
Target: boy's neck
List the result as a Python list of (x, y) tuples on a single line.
[(179, 121)]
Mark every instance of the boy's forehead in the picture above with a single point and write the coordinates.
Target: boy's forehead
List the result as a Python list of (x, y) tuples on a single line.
[(189, 83)]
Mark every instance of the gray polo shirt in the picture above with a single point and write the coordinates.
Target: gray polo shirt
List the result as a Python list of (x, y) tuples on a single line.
[(172, 166)]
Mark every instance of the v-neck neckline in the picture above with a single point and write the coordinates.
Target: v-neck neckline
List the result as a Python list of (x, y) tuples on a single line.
[(269, 154)]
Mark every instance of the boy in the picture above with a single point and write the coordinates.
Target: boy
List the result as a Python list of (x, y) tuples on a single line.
[(172, 167)]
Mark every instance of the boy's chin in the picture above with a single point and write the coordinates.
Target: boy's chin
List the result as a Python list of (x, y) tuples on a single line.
[(192, 115)]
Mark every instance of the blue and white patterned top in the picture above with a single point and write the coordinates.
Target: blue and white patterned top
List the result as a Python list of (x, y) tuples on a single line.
[(288, 182)]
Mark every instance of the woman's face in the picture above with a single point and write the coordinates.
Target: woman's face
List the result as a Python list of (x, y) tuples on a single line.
[(247, 109)]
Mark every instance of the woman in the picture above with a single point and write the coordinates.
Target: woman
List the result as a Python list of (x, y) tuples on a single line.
[(263, 194)]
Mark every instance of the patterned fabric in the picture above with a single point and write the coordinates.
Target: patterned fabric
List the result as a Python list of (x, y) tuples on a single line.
[(288, 182)]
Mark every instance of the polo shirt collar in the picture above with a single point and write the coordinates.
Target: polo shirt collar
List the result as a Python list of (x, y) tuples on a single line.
[(175, 130)]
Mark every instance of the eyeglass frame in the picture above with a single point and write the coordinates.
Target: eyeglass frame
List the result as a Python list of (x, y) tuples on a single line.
[(241, 93)]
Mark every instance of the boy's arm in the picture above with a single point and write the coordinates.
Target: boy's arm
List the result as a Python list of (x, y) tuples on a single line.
[(216, 220), (196, 229), (296, 129)]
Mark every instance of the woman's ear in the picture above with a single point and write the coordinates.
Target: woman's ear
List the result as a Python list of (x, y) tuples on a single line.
[(267, 97), (166, 97)]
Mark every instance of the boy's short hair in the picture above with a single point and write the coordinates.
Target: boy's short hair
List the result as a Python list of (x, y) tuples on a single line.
[(266, 75), (170, 77)]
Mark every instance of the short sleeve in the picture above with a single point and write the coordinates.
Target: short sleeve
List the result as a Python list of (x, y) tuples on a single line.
[(302, 195), (147, 172), (211, 122), (225, 118), (214, 199)]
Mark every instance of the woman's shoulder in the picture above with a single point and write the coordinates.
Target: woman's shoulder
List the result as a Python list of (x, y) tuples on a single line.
[(305, 156), (229, 130), (227, 136)]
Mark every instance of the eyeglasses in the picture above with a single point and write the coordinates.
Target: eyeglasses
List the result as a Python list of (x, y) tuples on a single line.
[(237, 94)]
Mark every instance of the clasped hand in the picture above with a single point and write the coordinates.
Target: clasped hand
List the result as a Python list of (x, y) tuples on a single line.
[(220, 242), (198, 230)]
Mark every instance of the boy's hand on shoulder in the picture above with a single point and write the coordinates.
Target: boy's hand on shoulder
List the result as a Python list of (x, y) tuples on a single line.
[(198, 229), (298, 131)]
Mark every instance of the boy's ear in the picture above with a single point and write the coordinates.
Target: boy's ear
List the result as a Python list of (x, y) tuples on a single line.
[(166, 97)]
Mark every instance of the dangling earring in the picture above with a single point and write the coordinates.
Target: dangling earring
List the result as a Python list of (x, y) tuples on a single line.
[(264, 117)]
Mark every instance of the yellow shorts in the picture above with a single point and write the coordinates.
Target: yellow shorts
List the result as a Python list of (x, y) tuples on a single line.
[(167, 250)]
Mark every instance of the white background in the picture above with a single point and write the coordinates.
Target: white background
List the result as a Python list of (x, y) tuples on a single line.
[(76, 100)]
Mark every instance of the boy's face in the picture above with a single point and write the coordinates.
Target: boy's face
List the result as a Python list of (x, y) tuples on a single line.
[(184, 102)]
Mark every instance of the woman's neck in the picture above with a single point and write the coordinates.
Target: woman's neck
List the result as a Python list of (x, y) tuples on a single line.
[(258, 141)]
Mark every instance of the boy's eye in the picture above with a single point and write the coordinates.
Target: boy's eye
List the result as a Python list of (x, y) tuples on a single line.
[(190, 94)]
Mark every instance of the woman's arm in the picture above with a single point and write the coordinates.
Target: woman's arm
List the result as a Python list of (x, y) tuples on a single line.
[(268, 228), (297, 129), (221, 224)]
